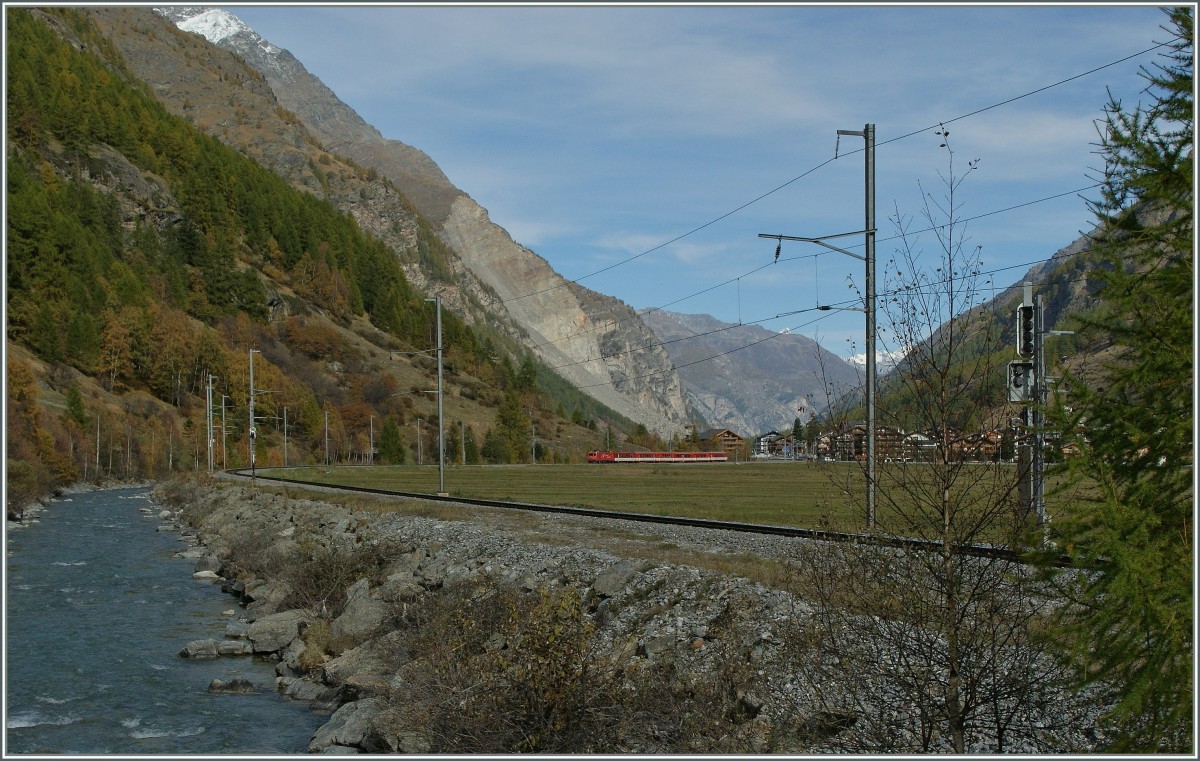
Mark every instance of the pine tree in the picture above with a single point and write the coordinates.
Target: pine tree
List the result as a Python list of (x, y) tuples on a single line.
[(496, 449), (526, 379), (513, 426), (1132, 627), (391, 445), (471, 448)]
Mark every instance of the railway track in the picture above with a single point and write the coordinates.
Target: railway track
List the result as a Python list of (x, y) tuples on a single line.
[(922, 545)]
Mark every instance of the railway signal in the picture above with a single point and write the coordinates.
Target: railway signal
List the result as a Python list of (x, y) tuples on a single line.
[(1020, 380), (1028, 384), (1026, 330)]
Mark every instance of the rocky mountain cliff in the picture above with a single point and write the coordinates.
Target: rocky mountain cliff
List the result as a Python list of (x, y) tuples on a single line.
[(757, 380), (571, 329)]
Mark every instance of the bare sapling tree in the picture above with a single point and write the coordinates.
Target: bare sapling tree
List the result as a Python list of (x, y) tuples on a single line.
[(936, 649)]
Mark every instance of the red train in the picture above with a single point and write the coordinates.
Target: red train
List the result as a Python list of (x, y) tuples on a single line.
[(657, 457)]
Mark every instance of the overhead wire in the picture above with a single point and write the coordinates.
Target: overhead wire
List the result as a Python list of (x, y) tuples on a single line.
[(828, 308), (676, 239), (639, 314), (810, 171), (1026, 95), (825, 163)]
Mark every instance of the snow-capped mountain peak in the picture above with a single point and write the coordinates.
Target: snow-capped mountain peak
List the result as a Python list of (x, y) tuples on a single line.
[(214, 24), (885, 361)]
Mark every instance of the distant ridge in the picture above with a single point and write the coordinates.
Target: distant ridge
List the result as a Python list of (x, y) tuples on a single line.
[(757, 381)]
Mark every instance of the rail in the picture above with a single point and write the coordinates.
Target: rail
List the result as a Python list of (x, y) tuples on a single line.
[(879, 540)]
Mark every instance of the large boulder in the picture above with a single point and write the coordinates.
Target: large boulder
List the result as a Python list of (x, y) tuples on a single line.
[(362, 615), (266, 597), (235, 647), (348, 726), (616, 577), (400, 586), (276, 631), (239, 685), (302, 689), (375, 656), (408, 561), (289, 659), (200, 648), (205, 561), (236, 629)]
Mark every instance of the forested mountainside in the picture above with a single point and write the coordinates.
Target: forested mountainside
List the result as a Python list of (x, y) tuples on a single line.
[(146, 257), (596, 342)]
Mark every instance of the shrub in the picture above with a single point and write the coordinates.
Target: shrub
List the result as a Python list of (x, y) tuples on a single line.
[(319, 645), (320, 574), (503, 671)]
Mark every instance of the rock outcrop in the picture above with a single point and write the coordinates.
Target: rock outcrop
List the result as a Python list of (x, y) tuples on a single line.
[(239, 685)]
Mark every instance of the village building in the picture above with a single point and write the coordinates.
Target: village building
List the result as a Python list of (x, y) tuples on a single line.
[(770, 444), (896, 445), (778, 446), (722, 440)]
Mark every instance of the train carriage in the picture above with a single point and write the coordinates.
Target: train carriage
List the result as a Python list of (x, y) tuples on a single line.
[(602, 457)]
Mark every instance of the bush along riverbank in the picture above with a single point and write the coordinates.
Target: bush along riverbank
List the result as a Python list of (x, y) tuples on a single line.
[(429, 636)]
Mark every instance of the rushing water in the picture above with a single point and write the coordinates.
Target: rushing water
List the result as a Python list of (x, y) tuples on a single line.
[(97, 609)]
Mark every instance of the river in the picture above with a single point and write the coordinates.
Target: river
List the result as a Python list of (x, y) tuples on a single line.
[(97, 609)]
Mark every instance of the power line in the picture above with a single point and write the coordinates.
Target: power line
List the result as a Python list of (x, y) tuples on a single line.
[(781, 187), (1028, 94), (824, 308), (610, 325), (814, 169), (676, 239), (988, 213), (828, 161)]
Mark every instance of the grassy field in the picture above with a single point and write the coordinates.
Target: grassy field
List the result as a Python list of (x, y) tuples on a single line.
[(809, 495)]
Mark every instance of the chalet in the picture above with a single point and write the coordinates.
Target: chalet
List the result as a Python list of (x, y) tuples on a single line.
[(896, 445), (769, 444), (721, 439), (776, 445), (983, 446), (918, 447), (837, 446), (852, 443)]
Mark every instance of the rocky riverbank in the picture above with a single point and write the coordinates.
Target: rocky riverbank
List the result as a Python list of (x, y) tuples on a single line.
[(496, 633)]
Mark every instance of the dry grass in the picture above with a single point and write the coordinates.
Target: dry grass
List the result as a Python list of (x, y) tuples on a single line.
[(788, 494)]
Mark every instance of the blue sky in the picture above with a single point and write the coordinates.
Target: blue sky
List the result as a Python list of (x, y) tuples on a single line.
[(598, 135)]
